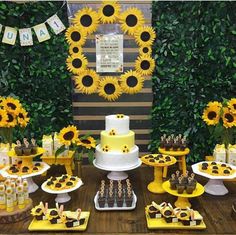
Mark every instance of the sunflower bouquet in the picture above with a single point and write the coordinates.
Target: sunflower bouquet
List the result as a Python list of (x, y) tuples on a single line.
[(12, 115), (221, 118), (69, 138)]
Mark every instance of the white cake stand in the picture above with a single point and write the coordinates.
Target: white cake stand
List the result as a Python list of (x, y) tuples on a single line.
[(31, 184), (117, 173), (215, 185), (62, 195)]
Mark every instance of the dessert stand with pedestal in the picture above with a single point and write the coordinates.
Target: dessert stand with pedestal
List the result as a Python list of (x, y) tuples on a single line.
[(117, 173), (62, 195), (179, 155), (31, 184), (215, 185), (182, 200), (156, 185)]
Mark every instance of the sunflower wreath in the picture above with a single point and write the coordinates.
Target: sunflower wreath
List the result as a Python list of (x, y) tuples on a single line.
[(86, 22)]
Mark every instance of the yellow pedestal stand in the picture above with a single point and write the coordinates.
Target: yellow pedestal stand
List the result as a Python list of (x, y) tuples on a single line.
[(182, 200), (156, 185), (67, 161), (181, 159)]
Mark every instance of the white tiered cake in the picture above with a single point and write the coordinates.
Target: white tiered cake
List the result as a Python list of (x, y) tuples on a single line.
[(117, 148)]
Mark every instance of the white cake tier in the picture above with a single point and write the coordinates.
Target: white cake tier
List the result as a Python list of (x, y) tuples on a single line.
[(117, 159), (119, 123)]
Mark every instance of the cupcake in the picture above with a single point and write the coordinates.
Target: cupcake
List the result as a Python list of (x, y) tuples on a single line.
[(33, 146), (180, 186), (173, 182), (18, 149)]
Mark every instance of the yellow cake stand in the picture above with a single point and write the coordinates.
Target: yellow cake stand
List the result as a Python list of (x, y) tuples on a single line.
[(182, 200), (26, 160), (156, 185), (180, 155)]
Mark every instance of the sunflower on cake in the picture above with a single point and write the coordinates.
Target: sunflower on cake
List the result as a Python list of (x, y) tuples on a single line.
[(117, 149)]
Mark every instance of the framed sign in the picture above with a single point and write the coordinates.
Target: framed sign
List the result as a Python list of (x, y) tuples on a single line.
[(109, 53)]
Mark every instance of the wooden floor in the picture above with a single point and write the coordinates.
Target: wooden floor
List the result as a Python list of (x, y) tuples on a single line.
[(215, 210)]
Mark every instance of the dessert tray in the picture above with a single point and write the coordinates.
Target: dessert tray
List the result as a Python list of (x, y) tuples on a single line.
[(115, 207), (215, 185), (45, 225), (62, 195)]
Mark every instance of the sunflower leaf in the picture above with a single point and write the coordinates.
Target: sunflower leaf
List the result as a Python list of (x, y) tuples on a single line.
[(59, 151)]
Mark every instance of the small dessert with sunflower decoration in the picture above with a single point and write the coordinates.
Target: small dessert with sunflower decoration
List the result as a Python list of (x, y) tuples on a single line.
[(40, 211), (85, 24)]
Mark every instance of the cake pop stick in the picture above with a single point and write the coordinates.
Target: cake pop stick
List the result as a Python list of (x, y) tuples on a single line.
[(20, 196), (9, 199), (2, 197)]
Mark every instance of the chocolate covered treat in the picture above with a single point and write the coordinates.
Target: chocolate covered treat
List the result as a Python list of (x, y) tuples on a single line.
[(18, 148), (172, 142)]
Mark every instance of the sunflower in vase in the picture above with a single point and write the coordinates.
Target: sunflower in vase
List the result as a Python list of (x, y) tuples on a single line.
[(70, 139), (221, 119), (12, 115)]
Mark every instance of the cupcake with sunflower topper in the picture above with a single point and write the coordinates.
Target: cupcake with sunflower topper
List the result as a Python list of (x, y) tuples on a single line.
[(40, 211), (55, 215), (109, 12)]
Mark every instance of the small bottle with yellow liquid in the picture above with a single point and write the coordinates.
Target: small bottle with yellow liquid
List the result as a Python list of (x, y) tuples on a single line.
[(13, 186), (9, 199), (26, 191), (20, 196), (2, 197)]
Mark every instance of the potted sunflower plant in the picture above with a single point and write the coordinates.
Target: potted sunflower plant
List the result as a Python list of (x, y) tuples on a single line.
[(221, 120), (80, 145), (12, 116)]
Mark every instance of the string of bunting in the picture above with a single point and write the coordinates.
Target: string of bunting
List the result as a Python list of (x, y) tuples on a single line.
[(25, 34)]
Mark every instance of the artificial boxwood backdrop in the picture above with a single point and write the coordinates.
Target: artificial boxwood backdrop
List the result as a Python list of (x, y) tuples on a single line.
[(195, 63)]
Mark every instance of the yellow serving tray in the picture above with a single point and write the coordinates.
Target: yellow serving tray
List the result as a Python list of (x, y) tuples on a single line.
[(45, 225), (160, 223)]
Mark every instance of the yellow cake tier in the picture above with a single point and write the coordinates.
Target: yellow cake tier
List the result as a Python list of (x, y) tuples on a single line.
[(121, 143)]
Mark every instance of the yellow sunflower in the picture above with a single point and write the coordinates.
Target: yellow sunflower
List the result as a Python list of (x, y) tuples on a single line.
[(23, 118), (68, 135), (211, 115), (109, 12), (87, 20), (145, 36), (232, 105), (3, 118), (144, 65), (75, 35), (75, 49), (131, 19), (229, 119), (11, 105), (11, 120), (87, 81), (88, 143), (145, 50), (109, 88), (131, 82), (76, 63)]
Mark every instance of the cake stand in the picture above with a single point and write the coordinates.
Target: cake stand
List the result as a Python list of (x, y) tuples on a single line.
[(156, 185), (182, 200), (116, 172), (215, 185), (62, 195), (31, 184)]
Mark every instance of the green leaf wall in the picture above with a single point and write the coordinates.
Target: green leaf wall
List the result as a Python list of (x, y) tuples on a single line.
[(37, 74), (195, 63)]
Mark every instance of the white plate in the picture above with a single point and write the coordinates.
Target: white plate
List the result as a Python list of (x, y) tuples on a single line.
[(78, 185), (139, 163), (196, 170), (5, 174), (115, 208)]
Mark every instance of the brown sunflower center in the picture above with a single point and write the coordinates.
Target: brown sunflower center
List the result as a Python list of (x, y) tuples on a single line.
[(21, 115), (145, 50), (86, 141), (75, 49), (145, 36), (211, 115), (86, 20), (77, 63), (145, 65), (10, 117), (229, 117), (132, 81), (131, 20), (108, 10), (234, 105), (11, 105), (109, 88), (69, 135), (87, 81), (0, 118), (75, 36)]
